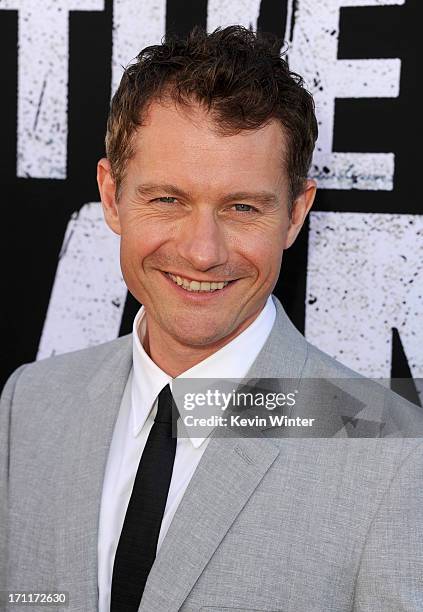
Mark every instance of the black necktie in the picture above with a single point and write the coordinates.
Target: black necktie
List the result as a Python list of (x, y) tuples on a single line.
[(137, 545)]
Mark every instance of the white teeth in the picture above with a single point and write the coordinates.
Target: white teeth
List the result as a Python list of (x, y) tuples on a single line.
[(197, 286)]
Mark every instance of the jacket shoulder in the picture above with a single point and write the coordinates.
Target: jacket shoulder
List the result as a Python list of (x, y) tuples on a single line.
[(321, 364), (63, 370), (397, 416)]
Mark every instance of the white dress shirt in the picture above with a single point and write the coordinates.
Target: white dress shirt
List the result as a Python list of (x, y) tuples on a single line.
[(135, 419)]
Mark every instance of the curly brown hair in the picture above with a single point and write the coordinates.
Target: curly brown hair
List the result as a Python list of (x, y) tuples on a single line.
[(239, 76)]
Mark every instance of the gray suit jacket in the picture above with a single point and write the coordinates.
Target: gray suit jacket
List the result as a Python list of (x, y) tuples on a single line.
[(270, 523)]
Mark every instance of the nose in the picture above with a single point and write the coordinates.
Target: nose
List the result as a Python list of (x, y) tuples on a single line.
[(201, 240)]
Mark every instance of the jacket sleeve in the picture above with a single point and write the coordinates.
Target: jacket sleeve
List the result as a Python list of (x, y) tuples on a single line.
[(6, 402), (390, 576)]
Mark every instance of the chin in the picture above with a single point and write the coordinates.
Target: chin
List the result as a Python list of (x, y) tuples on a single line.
[(199, 338), (193, 334)]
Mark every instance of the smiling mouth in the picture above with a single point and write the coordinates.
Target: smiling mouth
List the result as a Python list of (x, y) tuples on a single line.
[(197, 286)]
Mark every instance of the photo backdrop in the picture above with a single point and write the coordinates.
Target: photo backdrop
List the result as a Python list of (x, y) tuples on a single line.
[(353, 282)]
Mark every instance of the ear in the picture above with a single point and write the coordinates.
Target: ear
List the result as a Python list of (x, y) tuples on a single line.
[(107, 188), (300, 209)]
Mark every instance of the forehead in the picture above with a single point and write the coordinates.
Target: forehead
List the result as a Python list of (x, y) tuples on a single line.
[(183, 143)]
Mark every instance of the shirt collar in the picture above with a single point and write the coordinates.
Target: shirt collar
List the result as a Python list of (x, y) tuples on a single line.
[(231, 361)]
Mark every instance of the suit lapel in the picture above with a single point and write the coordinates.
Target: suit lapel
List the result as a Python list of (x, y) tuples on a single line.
[(92, 414), (225, 478), (230, 470)]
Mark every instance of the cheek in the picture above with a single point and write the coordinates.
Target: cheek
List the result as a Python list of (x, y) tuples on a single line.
[(263, 250), (141, 240)]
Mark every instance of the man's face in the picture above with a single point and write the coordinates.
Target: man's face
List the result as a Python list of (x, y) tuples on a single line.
[(198, 206)]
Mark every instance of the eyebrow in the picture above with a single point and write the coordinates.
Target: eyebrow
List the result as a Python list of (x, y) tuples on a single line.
[(148, 189), (262, 197)]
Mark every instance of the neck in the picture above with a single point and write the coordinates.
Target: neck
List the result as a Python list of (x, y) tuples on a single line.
[(173, 357)]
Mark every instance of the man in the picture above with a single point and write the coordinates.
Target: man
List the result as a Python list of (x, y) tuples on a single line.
[(209, 141)]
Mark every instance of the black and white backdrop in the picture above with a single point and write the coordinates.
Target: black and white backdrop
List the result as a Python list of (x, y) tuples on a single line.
[(353, 282)]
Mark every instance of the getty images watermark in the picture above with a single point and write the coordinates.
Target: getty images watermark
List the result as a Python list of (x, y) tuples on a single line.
[(244, 400), (235, 406)]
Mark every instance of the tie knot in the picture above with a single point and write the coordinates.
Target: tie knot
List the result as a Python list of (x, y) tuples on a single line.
[(166, 406)]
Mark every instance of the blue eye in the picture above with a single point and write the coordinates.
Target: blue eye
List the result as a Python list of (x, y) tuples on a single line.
[(244, 207)]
